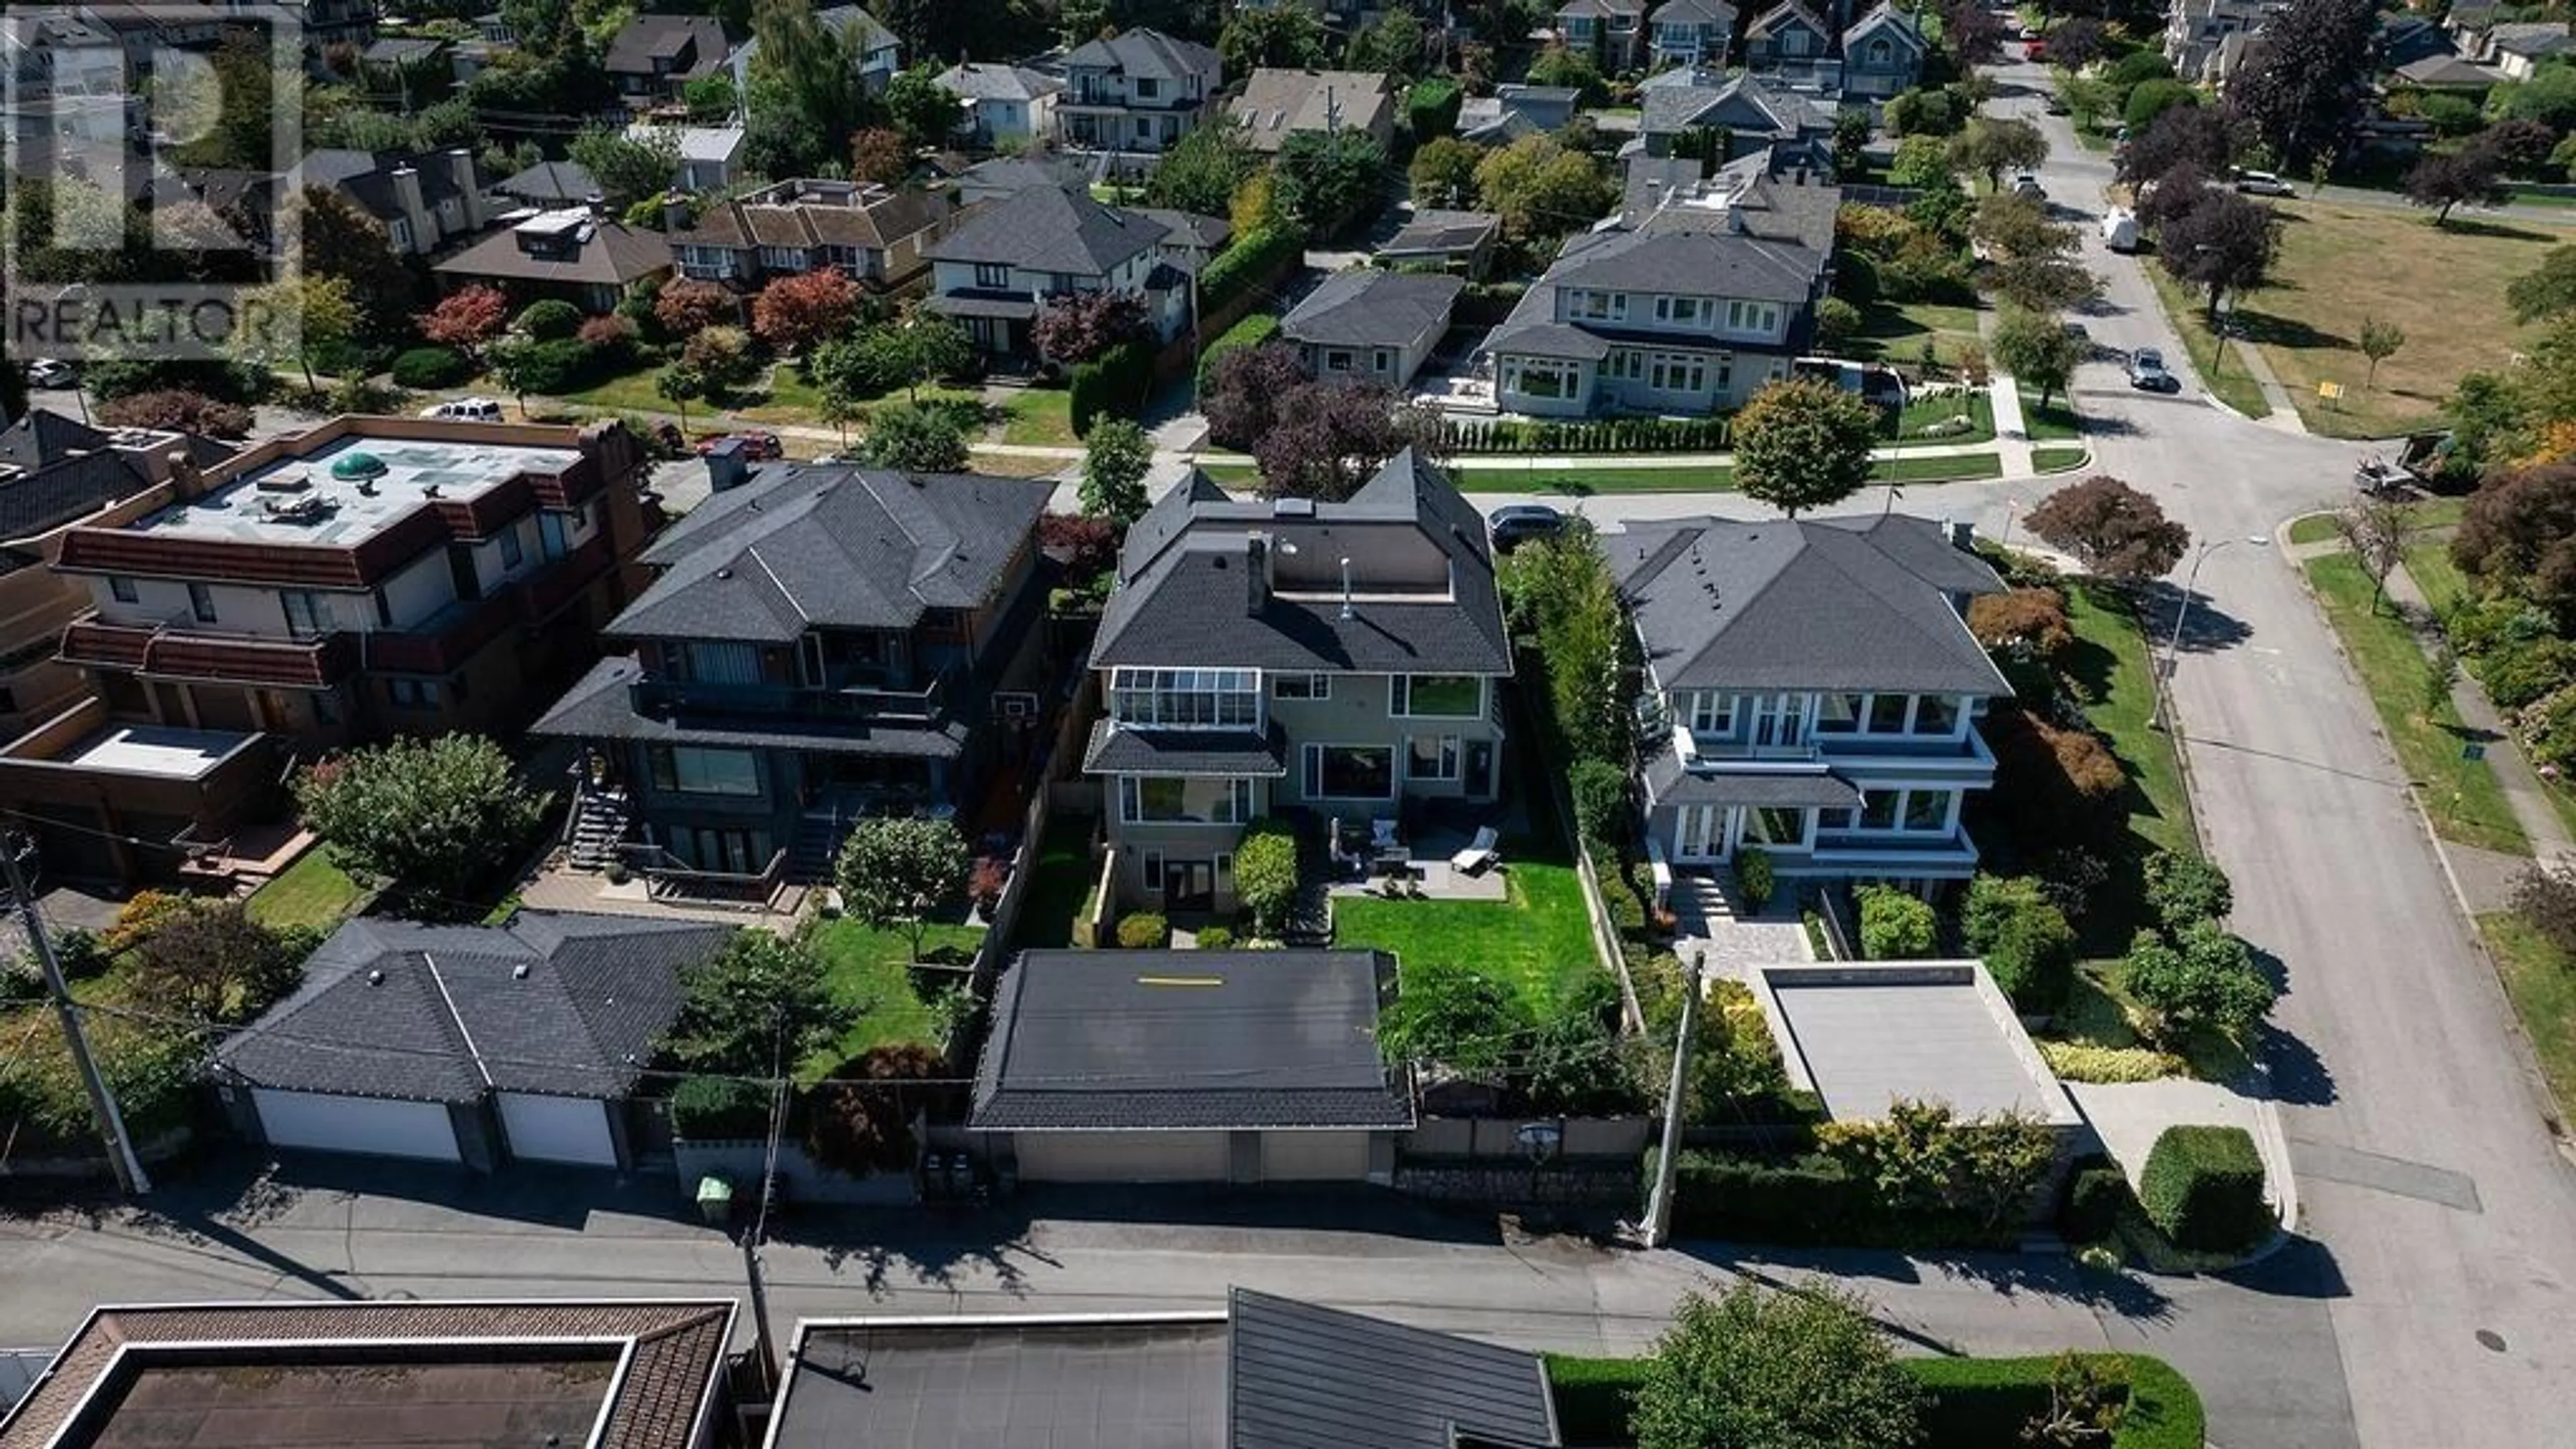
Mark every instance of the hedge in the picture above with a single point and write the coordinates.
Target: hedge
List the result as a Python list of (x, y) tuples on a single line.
[(1601, 435), (2096, 1192), (1793, 1202), (2203, 1188), (1116, 383), (1974, 1403), (428, 367), (1252, 330), (1255, 260), (1431, 108), (718, 1108)]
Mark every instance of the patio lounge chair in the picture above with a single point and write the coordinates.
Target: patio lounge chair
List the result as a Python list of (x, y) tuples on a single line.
[(1480, 852)]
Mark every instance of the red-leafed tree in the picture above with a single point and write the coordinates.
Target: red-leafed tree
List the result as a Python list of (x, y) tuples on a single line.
[(859, 1119), (879, 154), (796, 314), (1082, 326), (467, 318), (2115, 531), (687, 307)]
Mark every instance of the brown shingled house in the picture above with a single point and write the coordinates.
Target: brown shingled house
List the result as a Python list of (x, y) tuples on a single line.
[(874, 233), (568, 254)]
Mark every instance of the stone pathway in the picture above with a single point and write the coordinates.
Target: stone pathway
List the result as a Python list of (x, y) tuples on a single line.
[(1729, 943)]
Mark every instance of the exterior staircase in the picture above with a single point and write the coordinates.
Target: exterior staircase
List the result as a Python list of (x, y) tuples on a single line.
[(819, 833), (600, 820)]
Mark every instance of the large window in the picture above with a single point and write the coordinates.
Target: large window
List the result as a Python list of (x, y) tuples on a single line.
[(1775, 826), (1839, 714), (685, 770), (1350, 772), (1935, 714), (1684, 310), (1179, 800), (1439, 696), (1712, 713), (1186, 698), (1878, 808), (992, 274), (1927, 810), (201, 602), (1759, 318), (1302, 686), (308, 615), (1887, 714), (1675, 372), (1539, 377), (1431, 757), (1920, 811), (1601, 306)]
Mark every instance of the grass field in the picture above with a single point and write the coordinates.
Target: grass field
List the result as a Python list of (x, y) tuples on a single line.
[(2429, 563), (2461, 795), (1041, 417), (1896, 333), (872, 970), (2056, 422), (2120, 690), (2444, 286), (310, 892), (2431, 513), (1539, 940), (2058, 460), (2229, 383), (1933, 411), (2541, 983)]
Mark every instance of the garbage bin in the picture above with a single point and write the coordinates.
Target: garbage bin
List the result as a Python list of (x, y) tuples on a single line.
[(715, 1200)]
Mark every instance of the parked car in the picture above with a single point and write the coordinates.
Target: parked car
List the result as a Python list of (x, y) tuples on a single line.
[(1876, 383), (2147, 372), (2262, 183), (1517, 523), (758, 447), (2035, 50), (50, 372), (465, 410), (2120, 231), (2028, 185)]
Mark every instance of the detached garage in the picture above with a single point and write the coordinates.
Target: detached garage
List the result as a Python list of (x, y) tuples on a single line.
[(1191, 1066), (465, 1044)]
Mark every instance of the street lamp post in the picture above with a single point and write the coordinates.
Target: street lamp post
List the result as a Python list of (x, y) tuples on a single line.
[(2173, 641)]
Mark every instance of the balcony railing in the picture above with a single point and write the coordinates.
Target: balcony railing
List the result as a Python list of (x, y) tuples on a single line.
[(188, 650), (664, 698), (1698, 749)]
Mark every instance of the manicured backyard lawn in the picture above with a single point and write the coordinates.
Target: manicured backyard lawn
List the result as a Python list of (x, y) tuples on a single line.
[(1932, 412), (871, 969), (1896, 333), (1539, 940), (310, 892), (1040, 416), (2461, 795), (2541, 983)]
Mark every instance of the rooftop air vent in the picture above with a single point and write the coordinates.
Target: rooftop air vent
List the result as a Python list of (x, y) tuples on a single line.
[(291, 480), (375, 978)]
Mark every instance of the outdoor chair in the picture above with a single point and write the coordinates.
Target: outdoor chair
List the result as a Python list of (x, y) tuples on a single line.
[(1480, 853)]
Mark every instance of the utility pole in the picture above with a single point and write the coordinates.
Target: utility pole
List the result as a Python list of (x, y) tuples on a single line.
[(1659, 1207), (14, 849), (754, 1235)]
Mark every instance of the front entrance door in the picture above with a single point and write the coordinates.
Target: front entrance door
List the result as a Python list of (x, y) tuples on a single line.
[(1189, 885)]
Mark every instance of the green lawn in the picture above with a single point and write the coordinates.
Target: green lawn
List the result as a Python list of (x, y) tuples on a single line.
[(2314, 528), (1040, 416), (631, 392), (1948, 468), (1579, 482), (1897, 333), (2461, 795), (2430, 514), (2120, 699), (1930, 412), (2429, 564), (2541, 983), (1065, 877), (2058, 460), (2054, 423), (1539, 940), (2228, 380), (871, 969), (310, 892)]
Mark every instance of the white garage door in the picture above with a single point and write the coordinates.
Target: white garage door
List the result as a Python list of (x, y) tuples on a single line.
[(1314, 1156), (1121, 1156), (370, 1125), (557, 1129)]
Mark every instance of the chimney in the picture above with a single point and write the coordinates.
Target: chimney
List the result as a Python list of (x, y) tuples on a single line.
[(469, 188), (1963, 536), (424, 228), (675, 213), (186, 479), (1256, 575)]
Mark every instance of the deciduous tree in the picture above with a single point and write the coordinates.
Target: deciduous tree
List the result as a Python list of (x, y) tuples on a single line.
[(1328, 437), (1266, 873), (2445, 180), (208, 959), (2037, 350), (1803, 444), (2379, 342), (796, 314), (2547, 290), (1280, 36), (467, 319), (859, 1119), (2076, 42), (2225, 243), (1329, 179), (2519, 533), (1244, 389), (1758, 1368), (758, 1007), (1200, 172), (920, 107), (1115, 459), (2202, 977), (1444, 172), (895, 871), (2112, 529), (1995, 146), (879, 155), (915, 439), (427, 819), (630, 166), (297, 322), (2198, 135), (343, 242), (2305, 77), (687, 307), (1541, 189), (1080, 326), (1456, 1017)]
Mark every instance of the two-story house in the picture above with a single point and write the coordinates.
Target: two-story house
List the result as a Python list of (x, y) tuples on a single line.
[(653, 58), (373, 576), (1138, 90), (2205, 38), (1612, 32), (1686, 309), (996, 269), (1883, 53), (1793, 42), (571, 255), (1277, 104), (1691, 32), (817, 643), (1719, 117), (711, 157), (877, 235), (423, 200), (875, 50), (1290, 656), (1373, 325), (999, 103), (1811, 689)]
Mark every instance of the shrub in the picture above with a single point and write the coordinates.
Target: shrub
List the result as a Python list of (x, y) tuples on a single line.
[(1216, 938), (548, 320), (2203, 1188), (2184, 888), (2519, 671), (1600, 791), (984, 885), (1255, 259), (859, 1119), (1796, 1202), (2028, 621), (1455, 1016), (1837, 322), (1623, 902), (1431, 108), (1266, 872), (2545, 897), (1753, 876), (1251, 330), (715, 1108), (78, 952), (2203, 978), (1144, 931), (2087, 1062), (2548, 730), (2090, 1209), (176, 410), (427, 367), (2026, 941), (1116, 384), (1895, 926), (1594, 1396)]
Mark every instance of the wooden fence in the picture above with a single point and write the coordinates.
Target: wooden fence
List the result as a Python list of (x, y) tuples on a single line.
[(1502, 1138)]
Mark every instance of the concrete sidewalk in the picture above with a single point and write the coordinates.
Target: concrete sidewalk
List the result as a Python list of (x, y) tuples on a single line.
[(2285, 409)]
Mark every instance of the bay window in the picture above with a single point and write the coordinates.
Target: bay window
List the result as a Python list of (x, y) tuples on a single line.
[(1226, 699), (1183, 800), (1539, 377)]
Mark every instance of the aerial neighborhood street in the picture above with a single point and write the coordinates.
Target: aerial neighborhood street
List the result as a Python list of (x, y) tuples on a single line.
[(1194, 723)]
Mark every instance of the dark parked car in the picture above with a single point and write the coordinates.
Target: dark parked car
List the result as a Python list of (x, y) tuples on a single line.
[(1517, 523), (2147, 372), (758, 447)]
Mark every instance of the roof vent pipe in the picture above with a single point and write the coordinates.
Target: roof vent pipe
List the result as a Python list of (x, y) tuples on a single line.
[(1347, 611)]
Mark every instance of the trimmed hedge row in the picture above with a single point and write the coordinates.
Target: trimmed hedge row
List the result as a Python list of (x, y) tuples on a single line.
[(1602, 435), (2203, 1188), (1803, 1201), (1116, 383), (1250, 330), (1255, 260), (1975, 1403)]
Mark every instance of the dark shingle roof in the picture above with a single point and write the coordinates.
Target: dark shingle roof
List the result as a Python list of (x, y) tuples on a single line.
[(647, 38), (1432, 230), (976, 81), (1215, 1039), (1885, 13), (1188, 228), (552, 183), (1145, 51), (1364, 307), (1050, 229), (1712, 12), (1185, 596), (1303, 1377), (605, 253), (1832, 603), (1669, 783), (602, 707), (1225, 753), (806, 544), (44, 436), (1741, 104), (439, 1013)]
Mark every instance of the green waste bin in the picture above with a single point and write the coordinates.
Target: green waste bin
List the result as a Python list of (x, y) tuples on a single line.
[(715, 1200)]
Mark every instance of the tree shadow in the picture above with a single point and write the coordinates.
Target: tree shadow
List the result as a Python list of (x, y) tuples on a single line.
[(2265, 328), (893, 1249), (2008, 1275), (2500, 231), (2206, 628), (2301, 1268), (2292, 1070)]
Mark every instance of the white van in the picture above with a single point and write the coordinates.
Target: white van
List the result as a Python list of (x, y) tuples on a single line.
[(465, 410), (2120, 232)]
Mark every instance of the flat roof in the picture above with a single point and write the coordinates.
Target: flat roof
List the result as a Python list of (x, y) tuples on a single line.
[(1102, 1384), (164, 751), (242, 511), (1865, 1035), (495, 1400)]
